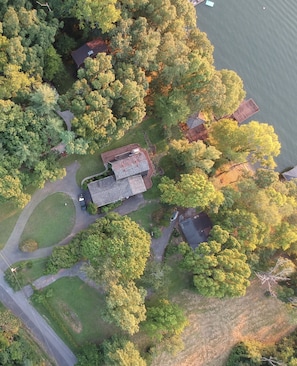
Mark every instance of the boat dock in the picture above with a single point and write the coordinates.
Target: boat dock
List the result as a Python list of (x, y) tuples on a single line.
[(196, 2), (246, 109)]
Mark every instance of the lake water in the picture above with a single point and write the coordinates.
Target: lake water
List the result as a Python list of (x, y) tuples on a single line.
[(258, 39)]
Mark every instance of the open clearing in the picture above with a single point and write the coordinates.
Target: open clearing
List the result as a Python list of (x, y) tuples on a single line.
[(217, 325)]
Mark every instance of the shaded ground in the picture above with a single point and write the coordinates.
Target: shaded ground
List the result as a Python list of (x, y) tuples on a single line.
[(217, 325)]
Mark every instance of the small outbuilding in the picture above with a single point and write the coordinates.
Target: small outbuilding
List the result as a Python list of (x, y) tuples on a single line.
[(89, 49), (196, 229)]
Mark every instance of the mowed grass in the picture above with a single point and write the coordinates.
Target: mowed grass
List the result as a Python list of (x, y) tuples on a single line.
[(79, 309), (143, 216), (9, 215), (51, 221), (31, 270)]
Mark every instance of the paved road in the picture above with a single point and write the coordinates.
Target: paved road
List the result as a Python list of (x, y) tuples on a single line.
[(17, 302)]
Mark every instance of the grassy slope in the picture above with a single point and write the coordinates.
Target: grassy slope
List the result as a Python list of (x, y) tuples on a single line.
[(217, 325)]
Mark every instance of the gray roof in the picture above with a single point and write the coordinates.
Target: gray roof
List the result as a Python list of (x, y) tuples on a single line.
[(130, 165), (290, 174), (109, 190), (196, 229), (194, 121)]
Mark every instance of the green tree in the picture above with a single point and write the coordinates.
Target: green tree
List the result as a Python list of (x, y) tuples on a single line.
[(234, 93), (191, 156), (53, 64), (117, 249), (125, 306), (11, 26), (44, 100), (254, 141), (164, 320), (97, 14), (193, 190), (219, 268), (121, 352)]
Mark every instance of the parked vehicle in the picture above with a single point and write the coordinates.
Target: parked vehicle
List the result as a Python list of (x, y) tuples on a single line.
[(174, 216), (82, 202)]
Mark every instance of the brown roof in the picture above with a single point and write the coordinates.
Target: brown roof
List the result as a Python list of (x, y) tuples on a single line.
[(246, 109), (112, 155), (197, 133), (109, 190), (132, 164), (89, 49)]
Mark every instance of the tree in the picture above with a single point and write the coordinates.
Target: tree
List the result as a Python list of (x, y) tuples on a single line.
[(164, 320), (44, 100), (121, 352), (234, 93), (172, 108), (125, 306), (193, 190), (219, 268), (282, 270), (97, 14), (193, 155), (244, 226), (255, 142), (117, 249), (53, 64)]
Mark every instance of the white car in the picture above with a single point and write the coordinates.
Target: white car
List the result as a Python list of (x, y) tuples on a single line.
[(174, 216)]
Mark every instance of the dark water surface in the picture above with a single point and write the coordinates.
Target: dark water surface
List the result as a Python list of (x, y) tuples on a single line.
[(258, 39)]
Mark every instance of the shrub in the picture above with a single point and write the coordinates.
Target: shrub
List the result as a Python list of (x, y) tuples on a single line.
[(162, 216), (156, 232), (28, 245), (92, 208), (111, 207)]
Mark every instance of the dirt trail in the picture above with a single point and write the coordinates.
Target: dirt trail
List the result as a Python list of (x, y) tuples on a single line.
[(217, 325)]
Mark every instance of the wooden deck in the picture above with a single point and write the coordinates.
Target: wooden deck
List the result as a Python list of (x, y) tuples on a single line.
[(197, 133), (246, 109)]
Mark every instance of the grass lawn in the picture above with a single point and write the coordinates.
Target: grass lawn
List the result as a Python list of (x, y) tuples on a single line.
[(33, 271), (51, 221), (78, 308), (8, 218), (153, 193), (143, 216)]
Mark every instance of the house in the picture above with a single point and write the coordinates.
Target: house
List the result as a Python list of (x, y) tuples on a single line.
[(131, 175), (89, 49), (196, 229)]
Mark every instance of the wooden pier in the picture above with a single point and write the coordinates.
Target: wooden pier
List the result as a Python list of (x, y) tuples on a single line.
[(246, 109), (196, 2)]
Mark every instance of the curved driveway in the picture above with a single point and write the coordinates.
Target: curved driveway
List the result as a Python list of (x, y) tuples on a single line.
[(17, 302)]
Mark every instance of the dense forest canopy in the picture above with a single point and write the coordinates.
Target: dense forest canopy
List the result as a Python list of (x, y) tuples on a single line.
[(158, 62)]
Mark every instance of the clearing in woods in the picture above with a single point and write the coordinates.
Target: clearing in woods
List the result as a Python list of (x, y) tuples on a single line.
[(217, 325)]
